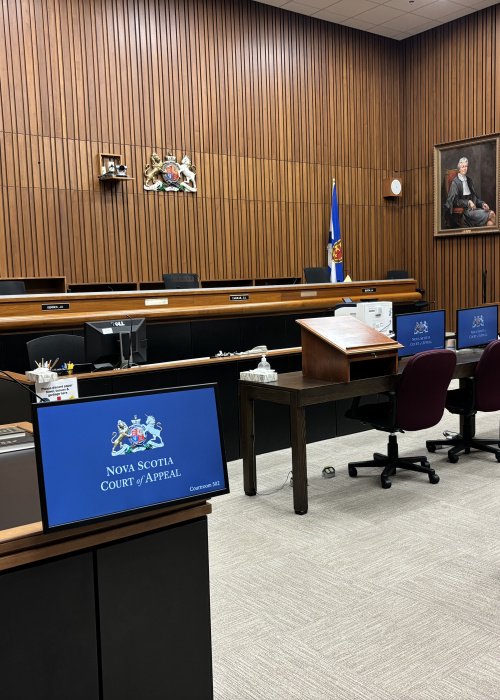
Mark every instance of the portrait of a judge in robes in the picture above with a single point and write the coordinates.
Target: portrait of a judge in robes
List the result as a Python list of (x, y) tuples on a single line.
[(463, 194)]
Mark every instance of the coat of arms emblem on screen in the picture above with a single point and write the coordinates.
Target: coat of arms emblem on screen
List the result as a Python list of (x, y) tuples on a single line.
[(137, 437), (421, 327), (169, 175)]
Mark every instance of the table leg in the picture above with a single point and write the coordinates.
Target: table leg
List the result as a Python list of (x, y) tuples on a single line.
[(299, 460), (248, 442)]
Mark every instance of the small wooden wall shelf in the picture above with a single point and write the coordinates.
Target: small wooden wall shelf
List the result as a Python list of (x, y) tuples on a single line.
[(107, 161), (343, 348)]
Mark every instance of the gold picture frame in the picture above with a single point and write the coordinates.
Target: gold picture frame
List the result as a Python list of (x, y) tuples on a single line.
[(451, 219)]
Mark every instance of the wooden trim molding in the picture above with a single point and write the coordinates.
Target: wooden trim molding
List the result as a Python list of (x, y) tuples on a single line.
[(26, 312), (29, 544)]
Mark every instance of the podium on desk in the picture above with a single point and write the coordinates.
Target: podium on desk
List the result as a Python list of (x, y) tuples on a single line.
[(341, 349)]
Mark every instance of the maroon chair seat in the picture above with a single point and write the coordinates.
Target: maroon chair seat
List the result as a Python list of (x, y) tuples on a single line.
[(418, 403), (479, 393)]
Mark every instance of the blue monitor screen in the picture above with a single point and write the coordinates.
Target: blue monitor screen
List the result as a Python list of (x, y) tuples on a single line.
[(478, 326), (104, 456), (420, 331)]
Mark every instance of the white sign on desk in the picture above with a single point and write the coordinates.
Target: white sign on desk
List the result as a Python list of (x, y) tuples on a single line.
[(58, 390)]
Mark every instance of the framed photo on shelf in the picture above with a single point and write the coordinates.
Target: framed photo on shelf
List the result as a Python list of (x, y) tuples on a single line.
[(466, 187)]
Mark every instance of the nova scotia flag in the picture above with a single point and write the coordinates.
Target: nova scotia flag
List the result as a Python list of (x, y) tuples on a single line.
[(334, 242)]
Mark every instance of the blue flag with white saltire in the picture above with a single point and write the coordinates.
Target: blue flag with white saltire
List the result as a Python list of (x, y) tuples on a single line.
[(335, 264)]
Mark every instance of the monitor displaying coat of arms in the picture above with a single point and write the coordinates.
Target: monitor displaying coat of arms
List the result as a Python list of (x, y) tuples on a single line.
[(102, 457), (417, 332), (476, 327)]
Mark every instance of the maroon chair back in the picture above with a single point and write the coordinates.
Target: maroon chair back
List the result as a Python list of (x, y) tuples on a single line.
[(422, 389), (487, 377), (451, 175)]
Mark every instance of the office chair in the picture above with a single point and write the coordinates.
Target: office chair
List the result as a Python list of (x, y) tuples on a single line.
[(397, 274), (8, 287), (315, 275), (478, 393), (418, 403), (69, 348), (403, 275), (181, 280)]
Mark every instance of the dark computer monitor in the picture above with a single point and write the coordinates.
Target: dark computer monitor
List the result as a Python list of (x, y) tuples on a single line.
[(147, 450), (477, 326), (420, 331), (119, 342)]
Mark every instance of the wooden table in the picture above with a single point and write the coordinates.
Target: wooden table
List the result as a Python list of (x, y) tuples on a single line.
[(297, 391)]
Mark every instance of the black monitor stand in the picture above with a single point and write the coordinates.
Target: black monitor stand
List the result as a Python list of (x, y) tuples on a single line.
[(126, 349)]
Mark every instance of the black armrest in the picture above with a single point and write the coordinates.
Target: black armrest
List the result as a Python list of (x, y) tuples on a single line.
[(462, 400), (420, 290)]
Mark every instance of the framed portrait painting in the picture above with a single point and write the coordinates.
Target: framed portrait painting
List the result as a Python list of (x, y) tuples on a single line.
[(466, 187)]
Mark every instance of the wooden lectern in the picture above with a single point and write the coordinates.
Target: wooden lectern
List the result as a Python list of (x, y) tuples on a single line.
[(342, 348)]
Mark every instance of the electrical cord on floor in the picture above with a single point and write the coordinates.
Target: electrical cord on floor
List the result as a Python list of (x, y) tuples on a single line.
[(269, 493), (448, 434), (327, 473)]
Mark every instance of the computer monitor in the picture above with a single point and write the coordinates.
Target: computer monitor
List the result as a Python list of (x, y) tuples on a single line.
[(420, 331), (120, 343), (145, 450), (477, 326)]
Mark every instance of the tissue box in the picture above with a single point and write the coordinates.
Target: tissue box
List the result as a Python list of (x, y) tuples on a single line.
[(40, 375), (259, 375)]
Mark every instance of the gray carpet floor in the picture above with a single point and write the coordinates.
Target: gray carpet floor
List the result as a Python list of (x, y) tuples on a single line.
[(374, 594)]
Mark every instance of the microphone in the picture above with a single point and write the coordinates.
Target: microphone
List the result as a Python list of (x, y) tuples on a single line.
[(25, 386)]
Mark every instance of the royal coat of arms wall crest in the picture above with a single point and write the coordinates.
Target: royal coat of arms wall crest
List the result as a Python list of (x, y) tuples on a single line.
[(169, 175)]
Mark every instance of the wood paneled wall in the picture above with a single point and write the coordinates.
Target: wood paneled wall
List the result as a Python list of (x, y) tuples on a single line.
[(451, 92), (269, 105)]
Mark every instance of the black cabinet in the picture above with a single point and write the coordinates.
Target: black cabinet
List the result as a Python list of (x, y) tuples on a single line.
[(120, 621), (48, 637)]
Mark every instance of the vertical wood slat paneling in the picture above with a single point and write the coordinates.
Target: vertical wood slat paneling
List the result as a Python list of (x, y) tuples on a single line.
[(269, 104), (451, 79)]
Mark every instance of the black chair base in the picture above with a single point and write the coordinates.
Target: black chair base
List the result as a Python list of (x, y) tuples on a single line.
[(461, 444), (391, 462)]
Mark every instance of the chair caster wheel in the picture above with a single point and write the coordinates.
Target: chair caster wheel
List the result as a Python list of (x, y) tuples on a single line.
[(352, 471), (498, 457), (452, 458), (430, 448), (434, 478), (386, 484)]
